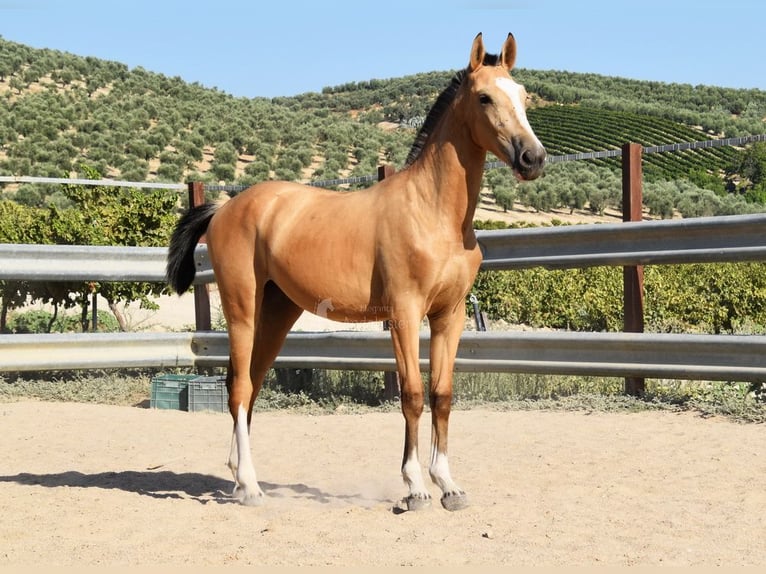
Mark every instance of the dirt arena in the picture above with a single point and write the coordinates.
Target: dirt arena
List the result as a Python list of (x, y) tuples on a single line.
[(103, 485)]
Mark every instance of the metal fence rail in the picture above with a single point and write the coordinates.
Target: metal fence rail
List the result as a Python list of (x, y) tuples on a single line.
[(706, 357), (703, 239), (94, 351), (81, 263), (80, 181), (709, 357), (697, 240), (660, 355)]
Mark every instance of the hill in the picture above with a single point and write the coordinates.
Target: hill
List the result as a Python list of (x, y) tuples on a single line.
[(59, 111)]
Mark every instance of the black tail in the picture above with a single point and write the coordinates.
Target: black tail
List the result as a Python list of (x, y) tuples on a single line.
[(181, 269)]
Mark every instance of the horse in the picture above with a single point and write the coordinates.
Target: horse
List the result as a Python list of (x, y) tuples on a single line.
[(401, 251)]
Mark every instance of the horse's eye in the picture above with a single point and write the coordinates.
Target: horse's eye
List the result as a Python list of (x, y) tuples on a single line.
[(484, 99)]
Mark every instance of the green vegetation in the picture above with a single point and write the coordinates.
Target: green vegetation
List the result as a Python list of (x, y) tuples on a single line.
[(581, 185), (698, 298), (86, 215), (59, 112), (62, 116), (359, 391)]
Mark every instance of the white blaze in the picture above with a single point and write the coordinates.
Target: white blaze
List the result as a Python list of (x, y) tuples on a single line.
[(514, 91)]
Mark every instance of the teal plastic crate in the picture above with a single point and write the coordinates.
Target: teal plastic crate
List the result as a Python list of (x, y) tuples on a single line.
[(208, 394), (171, 392)]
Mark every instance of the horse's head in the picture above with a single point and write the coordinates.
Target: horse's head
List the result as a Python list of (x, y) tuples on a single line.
[(496, 110)]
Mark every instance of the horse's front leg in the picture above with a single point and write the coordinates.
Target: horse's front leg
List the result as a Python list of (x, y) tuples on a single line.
[(406, 339), (445, 337)]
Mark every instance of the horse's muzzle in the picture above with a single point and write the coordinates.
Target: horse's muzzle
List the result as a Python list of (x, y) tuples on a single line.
[(529, 161)]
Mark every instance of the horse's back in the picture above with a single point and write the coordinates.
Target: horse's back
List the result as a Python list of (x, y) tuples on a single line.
[(287, 203)]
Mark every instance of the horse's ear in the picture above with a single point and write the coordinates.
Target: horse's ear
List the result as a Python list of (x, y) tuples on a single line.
[(477, 52), (508, 55)]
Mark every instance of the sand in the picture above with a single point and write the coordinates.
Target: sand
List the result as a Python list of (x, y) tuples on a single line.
[(84, 484)]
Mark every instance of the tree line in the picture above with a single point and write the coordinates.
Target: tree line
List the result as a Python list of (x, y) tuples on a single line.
[(586, 184), (58, 111)]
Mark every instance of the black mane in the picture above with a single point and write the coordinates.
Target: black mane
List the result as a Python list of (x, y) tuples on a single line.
[(436, 112)]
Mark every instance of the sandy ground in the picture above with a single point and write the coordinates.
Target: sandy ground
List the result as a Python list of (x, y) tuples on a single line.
[(104, 485)]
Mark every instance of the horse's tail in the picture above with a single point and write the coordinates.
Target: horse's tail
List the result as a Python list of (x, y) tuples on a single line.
[(181, 269)]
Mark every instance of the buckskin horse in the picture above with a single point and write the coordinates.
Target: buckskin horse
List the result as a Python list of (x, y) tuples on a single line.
[(399, 251)]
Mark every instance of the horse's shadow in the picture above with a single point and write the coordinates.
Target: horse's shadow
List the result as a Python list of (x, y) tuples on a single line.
[(163, 484), (203, 488)]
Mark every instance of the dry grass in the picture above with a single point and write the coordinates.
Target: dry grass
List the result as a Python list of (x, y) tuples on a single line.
[(345, 392)]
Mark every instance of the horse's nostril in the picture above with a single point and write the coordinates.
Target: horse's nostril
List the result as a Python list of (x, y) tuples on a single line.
[(527, 158), (524, 158), (531, 158), (529, 162)]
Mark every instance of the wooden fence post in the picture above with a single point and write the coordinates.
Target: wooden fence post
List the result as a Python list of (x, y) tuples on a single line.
[(390, 378), (633, 276), (202, 319)]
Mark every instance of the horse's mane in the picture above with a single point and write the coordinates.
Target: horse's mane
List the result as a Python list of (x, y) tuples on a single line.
[(436, 112)]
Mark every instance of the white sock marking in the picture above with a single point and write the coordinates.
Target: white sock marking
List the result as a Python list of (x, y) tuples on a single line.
[(245, 477), (440, 474), (413, 475)]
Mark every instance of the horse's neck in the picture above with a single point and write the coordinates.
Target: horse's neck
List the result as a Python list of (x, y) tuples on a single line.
[(452, 168)]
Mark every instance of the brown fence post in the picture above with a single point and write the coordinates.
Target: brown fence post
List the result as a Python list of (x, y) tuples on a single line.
[(633, 276), (390, 378), (202, 319)]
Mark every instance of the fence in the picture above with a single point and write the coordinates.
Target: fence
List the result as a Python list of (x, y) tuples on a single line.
[(701, 357), (631, 354), (700, 240)]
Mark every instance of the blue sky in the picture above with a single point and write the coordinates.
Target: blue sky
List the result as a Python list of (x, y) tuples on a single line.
[(282, 48)]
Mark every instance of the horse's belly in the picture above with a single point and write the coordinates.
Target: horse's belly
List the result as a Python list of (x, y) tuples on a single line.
[(351, 315), (337, 293), (338, 306)]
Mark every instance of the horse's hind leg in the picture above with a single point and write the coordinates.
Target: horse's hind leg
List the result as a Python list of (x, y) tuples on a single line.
[(241, 302), (276, 315)]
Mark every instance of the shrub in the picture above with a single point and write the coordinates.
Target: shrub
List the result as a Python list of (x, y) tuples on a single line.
[(40, 321)]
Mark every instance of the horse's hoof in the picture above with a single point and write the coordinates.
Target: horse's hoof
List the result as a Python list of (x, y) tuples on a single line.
[(252, 500), (248, 498), (418, 502), (454, 501)]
